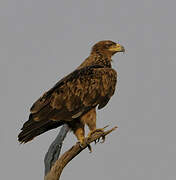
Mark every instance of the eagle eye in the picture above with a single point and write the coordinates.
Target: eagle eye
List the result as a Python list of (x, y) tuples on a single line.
[(108, 45)]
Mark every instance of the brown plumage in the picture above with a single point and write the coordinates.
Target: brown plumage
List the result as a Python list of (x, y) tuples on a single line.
[(73, 100)]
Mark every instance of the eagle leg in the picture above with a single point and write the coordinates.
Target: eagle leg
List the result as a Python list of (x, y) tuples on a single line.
[(79, 133)]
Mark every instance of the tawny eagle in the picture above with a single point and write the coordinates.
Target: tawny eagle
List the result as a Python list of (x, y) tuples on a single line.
[(74, 99)]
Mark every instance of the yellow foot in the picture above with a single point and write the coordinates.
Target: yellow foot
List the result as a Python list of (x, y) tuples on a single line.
[(95, 131), (101, 130)]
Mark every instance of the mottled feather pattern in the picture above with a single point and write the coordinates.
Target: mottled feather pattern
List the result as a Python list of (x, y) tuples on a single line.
[(45, 99), (73, 100), (85, 90)]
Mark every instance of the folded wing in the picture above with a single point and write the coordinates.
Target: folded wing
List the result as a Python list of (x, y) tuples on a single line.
[(71, 97)]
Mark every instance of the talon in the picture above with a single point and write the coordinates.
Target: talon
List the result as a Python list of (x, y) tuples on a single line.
[(81, 144), (103, 139), (98, 140), (89, 147)]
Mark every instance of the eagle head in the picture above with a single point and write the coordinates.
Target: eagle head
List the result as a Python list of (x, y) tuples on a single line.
[(107, 47)]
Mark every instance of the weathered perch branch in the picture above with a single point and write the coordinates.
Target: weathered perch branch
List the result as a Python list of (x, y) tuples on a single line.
[(59, 165), (55, 148)]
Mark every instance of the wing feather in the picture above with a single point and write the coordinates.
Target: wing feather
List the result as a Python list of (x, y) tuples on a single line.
[(81, 90)]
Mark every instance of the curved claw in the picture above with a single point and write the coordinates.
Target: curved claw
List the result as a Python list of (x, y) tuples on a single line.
[(95, 141), (98, 140), (82, 145), (103, 139), (90, 148)]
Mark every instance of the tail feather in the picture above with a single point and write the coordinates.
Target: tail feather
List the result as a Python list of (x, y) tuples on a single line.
[(32, 128)]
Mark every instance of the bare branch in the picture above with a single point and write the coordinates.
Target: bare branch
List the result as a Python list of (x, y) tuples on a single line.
[(59, 165), (55, 148)]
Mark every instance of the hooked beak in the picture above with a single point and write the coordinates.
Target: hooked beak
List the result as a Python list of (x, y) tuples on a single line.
[(117, 48)]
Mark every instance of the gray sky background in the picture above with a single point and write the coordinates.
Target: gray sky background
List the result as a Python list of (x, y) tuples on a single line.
[(41, 41)]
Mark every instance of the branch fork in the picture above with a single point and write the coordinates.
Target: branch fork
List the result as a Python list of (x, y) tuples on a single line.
[(58, 166)]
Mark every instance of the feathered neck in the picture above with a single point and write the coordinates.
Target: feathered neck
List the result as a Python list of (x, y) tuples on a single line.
[(97, 58)]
